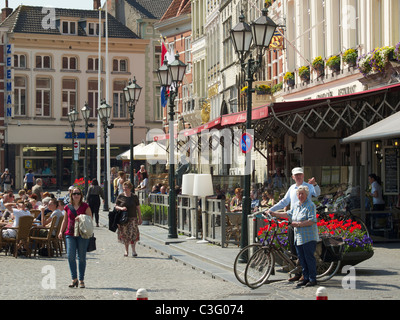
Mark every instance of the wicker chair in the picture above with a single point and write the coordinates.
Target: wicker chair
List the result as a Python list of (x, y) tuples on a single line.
[(57, 243), (22, 239), (43, 241), (35, 213), (233, 228)]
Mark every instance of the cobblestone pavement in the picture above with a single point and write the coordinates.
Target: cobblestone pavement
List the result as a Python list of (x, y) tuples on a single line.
[(109, 275)]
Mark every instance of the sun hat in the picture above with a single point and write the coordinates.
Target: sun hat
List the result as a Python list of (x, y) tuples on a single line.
[(297, 170)]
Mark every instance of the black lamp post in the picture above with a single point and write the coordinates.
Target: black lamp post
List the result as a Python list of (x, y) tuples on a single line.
[(172, 74), (132, 94), (242, 35), (72, 118), (86, 114), (105, 114)]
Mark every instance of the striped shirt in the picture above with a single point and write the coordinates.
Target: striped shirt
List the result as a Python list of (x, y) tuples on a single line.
[(304, 212)]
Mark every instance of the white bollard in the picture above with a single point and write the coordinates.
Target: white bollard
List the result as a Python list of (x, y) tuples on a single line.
[(322, 294), (142, 294)]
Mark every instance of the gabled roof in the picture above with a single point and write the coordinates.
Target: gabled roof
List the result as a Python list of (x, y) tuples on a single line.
[(28, 19), (177, 8), (152, 9)]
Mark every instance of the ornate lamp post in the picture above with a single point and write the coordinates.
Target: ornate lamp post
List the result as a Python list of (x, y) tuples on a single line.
[(86, 114), (72, 118), (105, 114), (171, 75), (242, 35), (132, 93)]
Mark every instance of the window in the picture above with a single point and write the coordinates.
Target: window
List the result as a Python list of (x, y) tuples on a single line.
[(43, 97), (120, 65), (158, 112), (226, 42), (93, 64), (188, 53), (93, 29), (119, 108), (19, 96), (68, 96), (68, 27), (43, 62), (19, 61), (157, 57), (69, 63), (93, 97)]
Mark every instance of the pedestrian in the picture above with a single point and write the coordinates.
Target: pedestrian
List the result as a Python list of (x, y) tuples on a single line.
[(75, 245), (29, 179), (128, 234), (7, 180), (93, 198), (38, 189), (376, 192), (120, 181), (303, 219), (113, 176), (142, 174), (291, 199)]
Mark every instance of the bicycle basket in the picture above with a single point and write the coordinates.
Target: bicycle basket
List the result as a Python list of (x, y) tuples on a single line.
[(332, 249)]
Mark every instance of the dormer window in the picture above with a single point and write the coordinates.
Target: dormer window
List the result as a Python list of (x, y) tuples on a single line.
[(93, 29), (68, 27)]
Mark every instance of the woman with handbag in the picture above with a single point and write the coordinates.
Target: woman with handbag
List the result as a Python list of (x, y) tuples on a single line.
[(128, 233), (75, 244), (93, 198)]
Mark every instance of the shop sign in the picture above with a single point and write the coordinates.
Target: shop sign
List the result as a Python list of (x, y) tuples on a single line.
[(79, 135), (9, 76)]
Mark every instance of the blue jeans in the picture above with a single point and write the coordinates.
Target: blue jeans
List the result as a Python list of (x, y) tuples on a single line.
[(305, 253), (76, 245)]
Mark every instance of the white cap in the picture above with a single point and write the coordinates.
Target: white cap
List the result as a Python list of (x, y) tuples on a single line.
[(297, 170)]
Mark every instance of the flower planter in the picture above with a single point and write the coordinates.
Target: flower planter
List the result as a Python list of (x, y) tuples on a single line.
[(305, 78), (290, 82), (335, 68), (353, 258), (320, 70)]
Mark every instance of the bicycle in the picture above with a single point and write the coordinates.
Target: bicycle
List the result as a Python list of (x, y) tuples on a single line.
[(342, 216), (262, 262)]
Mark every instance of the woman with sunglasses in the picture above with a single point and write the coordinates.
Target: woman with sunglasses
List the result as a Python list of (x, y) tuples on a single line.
[(75, 244)]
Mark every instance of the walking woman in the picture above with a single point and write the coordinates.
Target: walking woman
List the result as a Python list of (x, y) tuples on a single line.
[(93, 198), (128, 234), (75, 244)]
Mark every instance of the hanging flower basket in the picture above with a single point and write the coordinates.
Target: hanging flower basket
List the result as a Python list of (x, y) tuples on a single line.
[(350, 57), (319, 66), (289, 78), (263, 89), (334, 63), (304, 73)]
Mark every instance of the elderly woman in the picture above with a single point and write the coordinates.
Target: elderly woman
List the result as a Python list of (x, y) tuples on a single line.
[(304, 220)]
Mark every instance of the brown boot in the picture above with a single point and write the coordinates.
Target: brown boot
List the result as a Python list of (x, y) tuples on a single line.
[(296, 277)]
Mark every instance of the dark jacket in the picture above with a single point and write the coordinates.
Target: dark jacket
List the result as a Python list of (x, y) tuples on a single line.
[(113, 220)]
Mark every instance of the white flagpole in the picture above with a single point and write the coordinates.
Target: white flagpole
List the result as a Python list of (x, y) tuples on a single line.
[(98, 104), (107, 170)]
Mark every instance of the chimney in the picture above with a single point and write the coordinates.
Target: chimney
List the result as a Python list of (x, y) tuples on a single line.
[(5, 12), (96, 4)]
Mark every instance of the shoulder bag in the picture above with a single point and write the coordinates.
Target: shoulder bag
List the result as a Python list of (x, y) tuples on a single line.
[(92, 240)]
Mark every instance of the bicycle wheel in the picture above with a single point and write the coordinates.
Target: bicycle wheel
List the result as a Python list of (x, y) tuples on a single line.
[(239, 266), (326, 270), (259, 268)]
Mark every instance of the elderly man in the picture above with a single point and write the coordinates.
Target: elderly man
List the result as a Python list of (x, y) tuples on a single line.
[(291, 199), (38, 189), (7, 198), (303, 219)]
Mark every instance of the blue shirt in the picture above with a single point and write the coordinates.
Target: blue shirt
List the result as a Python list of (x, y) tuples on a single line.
[(291, 196), (304, 212)]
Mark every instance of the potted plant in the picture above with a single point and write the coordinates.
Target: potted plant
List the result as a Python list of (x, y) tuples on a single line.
[(364, 63), (277, 87), (304, 73), (263, 89), (350, 57), (380, 58), (243, 91), (319, 65), (268, 3), (334, 63), (289, 78), (147, 213)]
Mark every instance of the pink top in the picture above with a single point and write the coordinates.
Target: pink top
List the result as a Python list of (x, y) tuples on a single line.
[(71, 217)]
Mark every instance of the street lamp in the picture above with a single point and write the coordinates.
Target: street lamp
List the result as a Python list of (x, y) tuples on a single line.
[(105, 114), (242, 35), (132, 94), (171, 75), (72, 118), (86, 114)]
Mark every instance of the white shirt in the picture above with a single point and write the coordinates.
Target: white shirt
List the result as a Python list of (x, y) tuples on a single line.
[(375, 186), (291, 196)]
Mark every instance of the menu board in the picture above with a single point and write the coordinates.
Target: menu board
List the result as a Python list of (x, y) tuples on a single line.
[(390, 177)]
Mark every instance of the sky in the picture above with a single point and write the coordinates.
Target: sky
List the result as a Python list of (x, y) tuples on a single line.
[(73, 4)]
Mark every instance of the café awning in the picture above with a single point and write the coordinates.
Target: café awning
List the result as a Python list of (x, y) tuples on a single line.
[(127, 154), (387, 128)]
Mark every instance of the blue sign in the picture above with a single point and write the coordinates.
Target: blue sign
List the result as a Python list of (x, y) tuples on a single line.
[(79, 135), (246, 143)]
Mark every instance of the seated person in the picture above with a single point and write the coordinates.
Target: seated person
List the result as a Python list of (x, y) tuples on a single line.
[(236, 202), (19, 209), (44, 210), (56, 208)]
